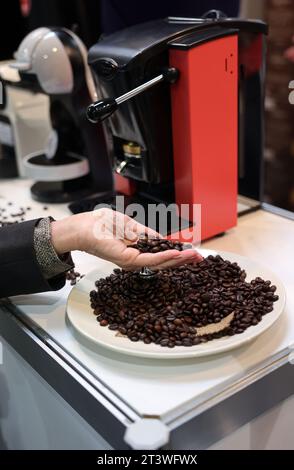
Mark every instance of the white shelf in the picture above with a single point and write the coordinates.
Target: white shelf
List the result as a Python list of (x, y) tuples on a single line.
[(171, 389)]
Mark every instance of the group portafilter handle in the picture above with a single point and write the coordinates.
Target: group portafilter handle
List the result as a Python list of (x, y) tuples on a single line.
[(102, 109)]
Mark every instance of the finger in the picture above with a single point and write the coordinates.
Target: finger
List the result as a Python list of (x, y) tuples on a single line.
[(133, 258), (172, 263), (182, 257), (175, 263), (158, 259), (143, 230), (133, 231)]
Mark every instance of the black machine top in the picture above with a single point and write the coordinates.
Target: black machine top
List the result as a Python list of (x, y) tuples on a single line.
[(125, 45)]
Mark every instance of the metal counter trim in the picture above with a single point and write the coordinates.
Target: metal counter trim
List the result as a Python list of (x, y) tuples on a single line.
[(105, 414)]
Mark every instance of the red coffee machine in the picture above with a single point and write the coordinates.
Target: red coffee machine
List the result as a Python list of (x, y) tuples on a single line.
[(184, 102)]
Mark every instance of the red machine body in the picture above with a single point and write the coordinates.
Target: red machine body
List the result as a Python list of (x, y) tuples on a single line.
[(205, 131)]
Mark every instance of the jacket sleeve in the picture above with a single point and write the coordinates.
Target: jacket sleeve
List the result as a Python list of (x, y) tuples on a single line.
[(20, 272)]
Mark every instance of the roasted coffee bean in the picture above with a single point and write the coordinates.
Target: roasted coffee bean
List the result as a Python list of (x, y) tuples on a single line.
[(205, 297), (17, 215), (170, 318), (168, 310), (73, 277), (196, 341), (187, 342)]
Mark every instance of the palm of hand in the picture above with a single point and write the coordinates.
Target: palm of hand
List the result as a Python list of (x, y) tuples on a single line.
[(111, 233)]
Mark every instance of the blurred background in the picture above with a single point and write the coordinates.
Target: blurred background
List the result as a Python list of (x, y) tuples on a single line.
[(91, 18)]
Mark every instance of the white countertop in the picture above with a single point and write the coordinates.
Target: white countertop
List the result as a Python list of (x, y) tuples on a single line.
[(163, 388)]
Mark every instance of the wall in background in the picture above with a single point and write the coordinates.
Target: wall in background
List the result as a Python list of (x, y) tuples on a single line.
[(279, 117), (252, 9)]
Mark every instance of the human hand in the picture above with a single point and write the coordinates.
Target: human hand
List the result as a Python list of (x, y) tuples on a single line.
[(107, 234)]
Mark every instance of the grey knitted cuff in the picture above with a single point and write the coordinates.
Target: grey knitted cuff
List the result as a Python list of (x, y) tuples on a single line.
[(51, 264)]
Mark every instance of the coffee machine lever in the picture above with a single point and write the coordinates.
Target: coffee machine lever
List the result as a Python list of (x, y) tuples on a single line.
[(103, 109)]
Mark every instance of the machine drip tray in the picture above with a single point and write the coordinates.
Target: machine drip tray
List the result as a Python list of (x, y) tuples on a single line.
[(246, 205)]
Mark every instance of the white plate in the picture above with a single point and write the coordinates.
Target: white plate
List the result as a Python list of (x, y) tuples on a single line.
[(82, 318)]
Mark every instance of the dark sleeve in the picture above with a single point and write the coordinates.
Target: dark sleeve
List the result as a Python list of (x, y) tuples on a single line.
[(20, 272)]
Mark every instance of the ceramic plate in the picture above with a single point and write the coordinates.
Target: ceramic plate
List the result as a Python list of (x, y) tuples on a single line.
[(83, 320)]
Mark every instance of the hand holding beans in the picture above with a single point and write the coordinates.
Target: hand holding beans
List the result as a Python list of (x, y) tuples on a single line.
[(107, 234)]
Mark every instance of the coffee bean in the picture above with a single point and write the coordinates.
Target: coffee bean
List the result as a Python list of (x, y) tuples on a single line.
[(133, 338), (205, 297), (196, 341), (73, 277), (187, 342), (170, 318), (147, 340)]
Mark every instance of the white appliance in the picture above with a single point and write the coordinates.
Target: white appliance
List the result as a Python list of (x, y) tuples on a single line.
[(24, 122)]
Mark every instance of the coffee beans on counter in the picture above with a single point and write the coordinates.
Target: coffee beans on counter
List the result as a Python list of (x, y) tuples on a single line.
[(73, 276), (183, 306), (12, 214)]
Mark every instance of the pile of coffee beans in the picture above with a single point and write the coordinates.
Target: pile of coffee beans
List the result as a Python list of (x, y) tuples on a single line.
[(169, 308), (155, 245)]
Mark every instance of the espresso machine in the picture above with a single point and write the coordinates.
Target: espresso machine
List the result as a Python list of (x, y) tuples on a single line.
[(182, 99), (75, 160), (24, 122)]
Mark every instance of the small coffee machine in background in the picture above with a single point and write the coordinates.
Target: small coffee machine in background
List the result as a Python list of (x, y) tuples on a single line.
[(184, 98), (75, 162), (24, 122)]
